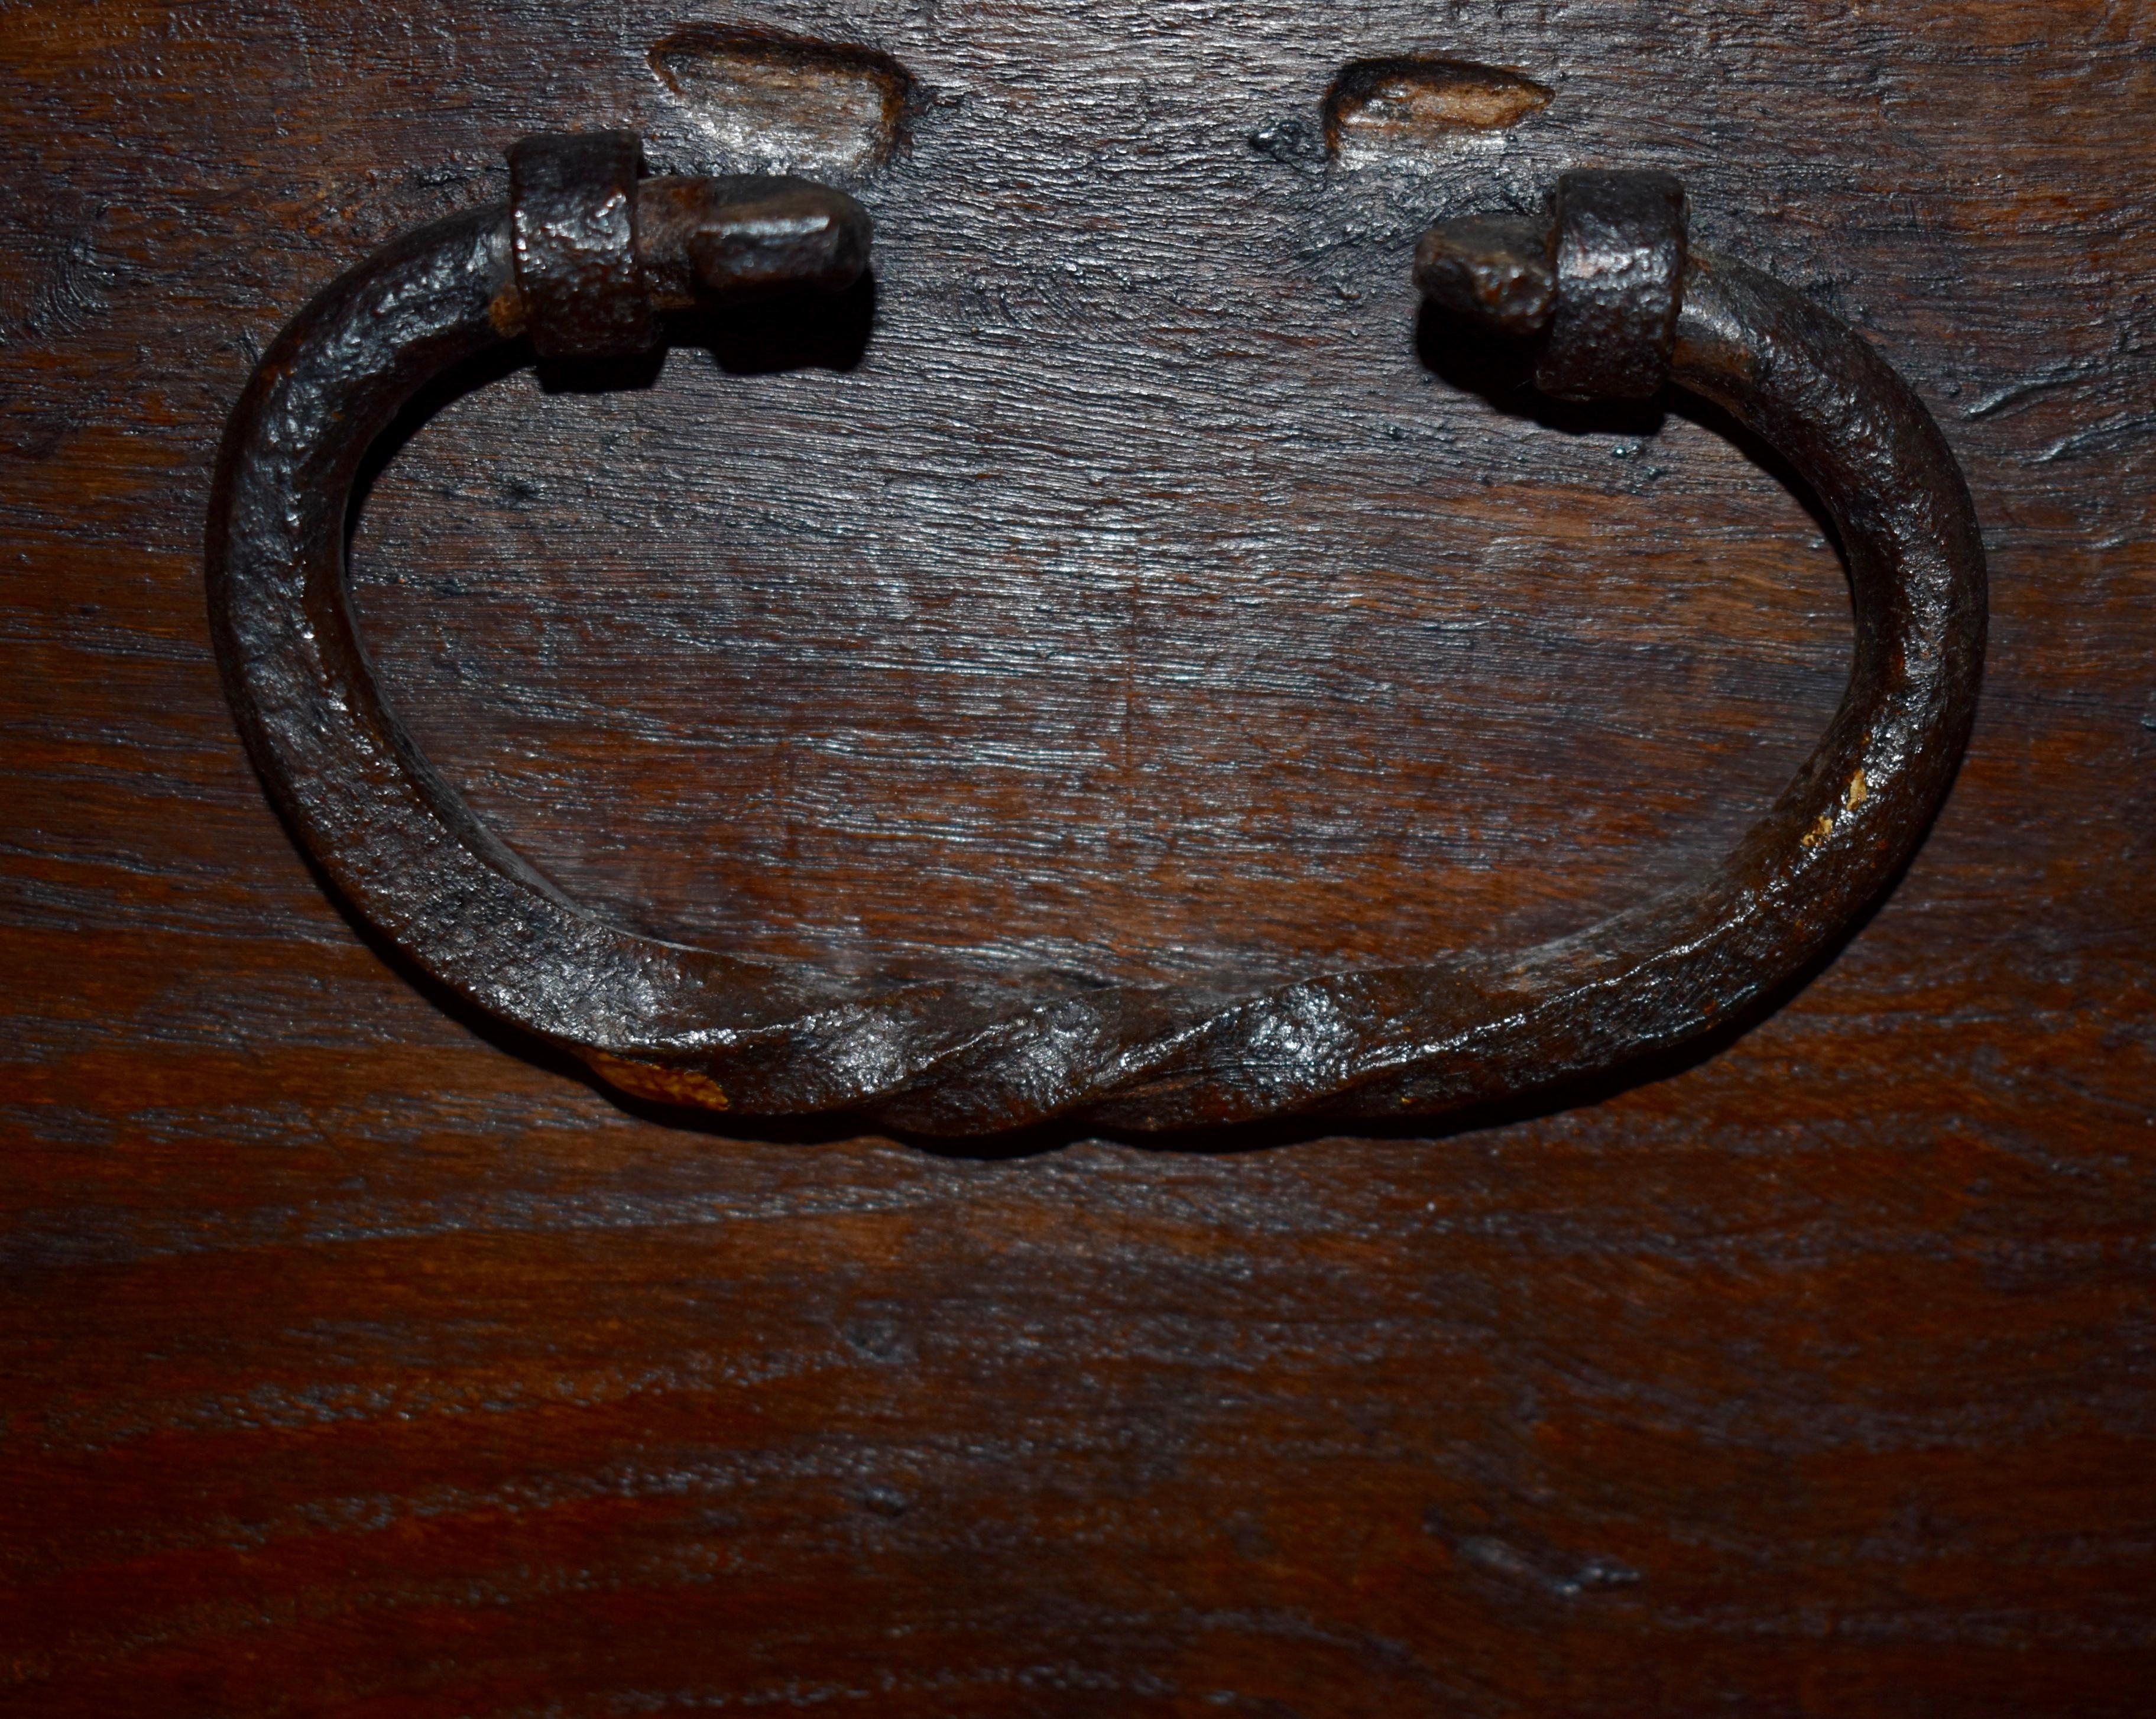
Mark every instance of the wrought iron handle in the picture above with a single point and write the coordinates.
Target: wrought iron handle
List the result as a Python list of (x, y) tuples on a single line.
[(581, 258)]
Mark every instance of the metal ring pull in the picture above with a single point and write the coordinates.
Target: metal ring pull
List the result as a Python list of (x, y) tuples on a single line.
[(583, 259)]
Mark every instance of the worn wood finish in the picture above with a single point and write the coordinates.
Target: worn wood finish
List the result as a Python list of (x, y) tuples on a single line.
[(1139, 601)]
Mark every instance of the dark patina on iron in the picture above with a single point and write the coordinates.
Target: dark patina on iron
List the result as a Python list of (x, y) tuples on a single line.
[(584, 259)]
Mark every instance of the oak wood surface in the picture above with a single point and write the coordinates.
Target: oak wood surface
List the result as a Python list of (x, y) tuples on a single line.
[(1126, 588)]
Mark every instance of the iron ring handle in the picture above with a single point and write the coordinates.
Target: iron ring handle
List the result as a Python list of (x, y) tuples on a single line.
[(583, 258)]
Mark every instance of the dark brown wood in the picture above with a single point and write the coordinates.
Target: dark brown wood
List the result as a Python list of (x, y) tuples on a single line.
[(1141, 599)]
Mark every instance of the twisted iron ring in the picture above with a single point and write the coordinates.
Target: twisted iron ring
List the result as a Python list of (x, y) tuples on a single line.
[(583, 259)]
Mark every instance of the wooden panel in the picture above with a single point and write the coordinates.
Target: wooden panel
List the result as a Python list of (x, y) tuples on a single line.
[(1126, 588)]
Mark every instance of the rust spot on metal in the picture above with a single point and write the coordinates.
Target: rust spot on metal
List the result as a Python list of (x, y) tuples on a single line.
[(656, 1082), (774, 100), (506, 311), (1406, 105)]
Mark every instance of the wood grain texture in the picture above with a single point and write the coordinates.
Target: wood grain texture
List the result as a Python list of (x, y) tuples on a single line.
[(1139, 602)]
